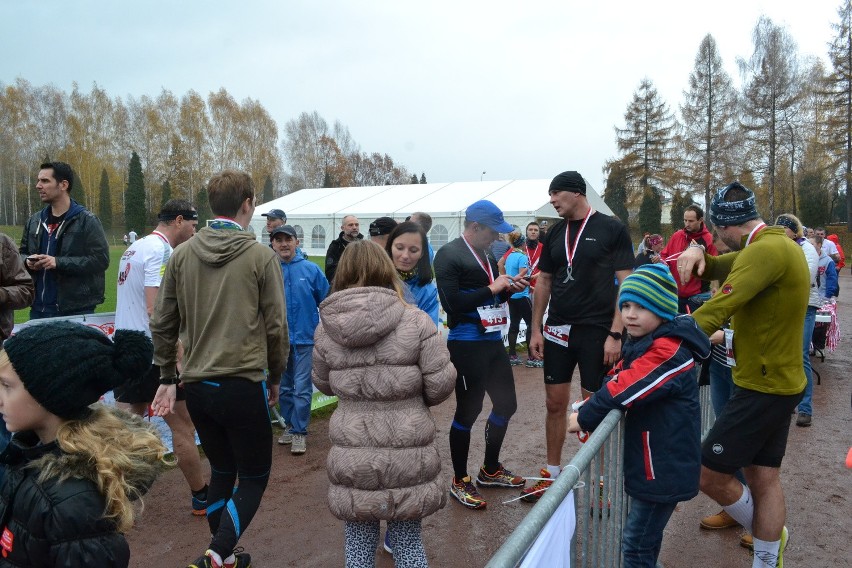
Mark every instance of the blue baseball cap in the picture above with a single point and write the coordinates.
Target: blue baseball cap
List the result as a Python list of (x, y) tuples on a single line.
[(275, 214), (486, 213)]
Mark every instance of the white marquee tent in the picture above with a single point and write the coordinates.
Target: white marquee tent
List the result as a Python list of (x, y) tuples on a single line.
[(316, 214)]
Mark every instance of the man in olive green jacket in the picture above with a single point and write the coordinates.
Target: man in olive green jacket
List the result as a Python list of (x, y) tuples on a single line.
[(765, 293)]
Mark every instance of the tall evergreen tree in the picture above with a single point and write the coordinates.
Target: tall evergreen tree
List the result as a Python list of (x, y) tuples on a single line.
[(105, 202), (709, 113), (680, 201), (814, 208), (267, 190), (165, 193), (840, 90), (134, 201), (615, 194), (422, 177), (202, 205), (772, 89), (414, 178), (650, 210), (648, 141)]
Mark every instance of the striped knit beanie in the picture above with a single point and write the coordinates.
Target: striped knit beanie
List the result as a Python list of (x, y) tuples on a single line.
[(652, 287)]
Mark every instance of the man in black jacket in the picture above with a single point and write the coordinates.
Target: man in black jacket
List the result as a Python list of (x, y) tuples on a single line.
[(348, 233), (64, 248)]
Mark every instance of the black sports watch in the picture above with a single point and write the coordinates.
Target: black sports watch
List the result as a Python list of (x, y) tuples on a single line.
[(615, 335)]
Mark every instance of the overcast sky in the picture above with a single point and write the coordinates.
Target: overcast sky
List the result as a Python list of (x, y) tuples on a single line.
[(451, 88)]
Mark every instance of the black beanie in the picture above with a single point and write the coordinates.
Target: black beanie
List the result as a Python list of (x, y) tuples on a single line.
[(569, 181), (67, 366)]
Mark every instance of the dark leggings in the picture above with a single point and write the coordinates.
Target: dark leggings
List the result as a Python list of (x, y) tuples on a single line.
[(482, 367), (231, 417), (520, 309)]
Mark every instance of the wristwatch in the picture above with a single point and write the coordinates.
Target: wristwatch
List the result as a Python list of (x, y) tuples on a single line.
[(615, 335)]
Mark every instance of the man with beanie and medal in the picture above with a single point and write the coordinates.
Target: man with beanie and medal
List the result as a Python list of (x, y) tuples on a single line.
[(655, 384), (73, 466), (764, 290), (221, 296), (581, 257)]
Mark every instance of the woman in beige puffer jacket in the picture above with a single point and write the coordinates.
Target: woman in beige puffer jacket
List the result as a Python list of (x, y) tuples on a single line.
[(386, 363)]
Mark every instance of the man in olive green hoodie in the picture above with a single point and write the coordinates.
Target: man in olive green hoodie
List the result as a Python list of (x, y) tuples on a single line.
[(221, 296), (765, 293)]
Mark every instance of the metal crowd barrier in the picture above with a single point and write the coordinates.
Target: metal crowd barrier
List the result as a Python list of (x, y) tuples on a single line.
[(596, 474)]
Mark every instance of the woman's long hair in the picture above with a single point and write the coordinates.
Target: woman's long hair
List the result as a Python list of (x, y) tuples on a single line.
[(364, 263), (124, 451), (424, 266)]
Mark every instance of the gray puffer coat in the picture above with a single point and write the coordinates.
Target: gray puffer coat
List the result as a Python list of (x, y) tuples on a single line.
[(386, 363)]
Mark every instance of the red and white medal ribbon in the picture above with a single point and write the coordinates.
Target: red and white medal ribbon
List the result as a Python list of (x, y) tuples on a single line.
[(569, 250)]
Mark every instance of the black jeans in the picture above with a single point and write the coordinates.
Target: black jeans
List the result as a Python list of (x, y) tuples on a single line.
[(231, 416)]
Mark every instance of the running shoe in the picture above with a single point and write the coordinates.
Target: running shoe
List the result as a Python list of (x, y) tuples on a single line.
[(785, 536), (500, 478), (299, 446), (387, 546), (534, 493), (286, 437), (199, 506), (534, 363), (466, 494), (241, 560), (514, 360)]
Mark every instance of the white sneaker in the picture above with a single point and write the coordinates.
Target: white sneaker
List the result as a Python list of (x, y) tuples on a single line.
[(286, 437), (299, 444)]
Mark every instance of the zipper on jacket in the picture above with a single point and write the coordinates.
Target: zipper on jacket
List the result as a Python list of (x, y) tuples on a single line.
[(646, 454)]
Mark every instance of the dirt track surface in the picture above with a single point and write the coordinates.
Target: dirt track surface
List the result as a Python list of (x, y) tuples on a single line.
[(294, 527)]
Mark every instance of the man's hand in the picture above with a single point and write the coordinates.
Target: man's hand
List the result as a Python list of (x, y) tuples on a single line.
[(691, 258), (272, 394), (573, 423), (164, 400), (536, 344), (612, 351), (718, 337), (512, 284), (41, 262)]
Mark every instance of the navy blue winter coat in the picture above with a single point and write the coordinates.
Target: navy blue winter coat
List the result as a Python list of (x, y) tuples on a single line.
[(655, 383)]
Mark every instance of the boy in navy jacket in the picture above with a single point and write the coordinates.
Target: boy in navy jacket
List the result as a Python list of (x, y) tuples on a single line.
[(656, 385)]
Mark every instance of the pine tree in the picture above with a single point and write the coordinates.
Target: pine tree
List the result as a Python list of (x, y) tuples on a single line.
[(650, 211), (814, 205), (840, 87), (615, 194), (422, 177), (680, 201), (202, 205), (414, 179), (165, 193), (267, 190), (648, 141), (105, 202), (134, 201)]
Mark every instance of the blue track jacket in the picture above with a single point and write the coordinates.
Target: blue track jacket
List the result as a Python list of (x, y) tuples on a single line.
[(305, 286)]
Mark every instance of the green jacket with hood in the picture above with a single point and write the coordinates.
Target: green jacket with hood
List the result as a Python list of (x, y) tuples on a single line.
[(221, 295), (765, 293)]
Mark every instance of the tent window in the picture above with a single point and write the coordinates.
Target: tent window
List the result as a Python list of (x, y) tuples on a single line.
[(438, 236), (318, 237), (300, 234)]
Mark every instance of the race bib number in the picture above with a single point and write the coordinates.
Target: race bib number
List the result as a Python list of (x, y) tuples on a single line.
[(729, 348), (558, 334), (495, 318)]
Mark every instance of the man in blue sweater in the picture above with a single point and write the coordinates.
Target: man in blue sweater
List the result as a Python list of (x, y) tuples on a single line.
[(305, 286)]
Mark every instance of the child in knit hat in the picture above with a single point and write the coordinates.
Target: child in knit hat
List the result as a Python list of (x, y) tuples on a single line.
[(72, 467), (655, 385)]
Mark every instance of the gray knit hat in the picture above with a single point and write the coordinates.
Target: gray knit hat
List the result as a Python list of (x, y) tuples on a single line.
[(67, 366)]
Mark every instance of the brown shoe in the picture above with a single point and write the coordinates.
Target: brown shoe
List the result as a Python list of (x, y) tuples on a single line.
[(747, 541), (803, 420), (721, 520)]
